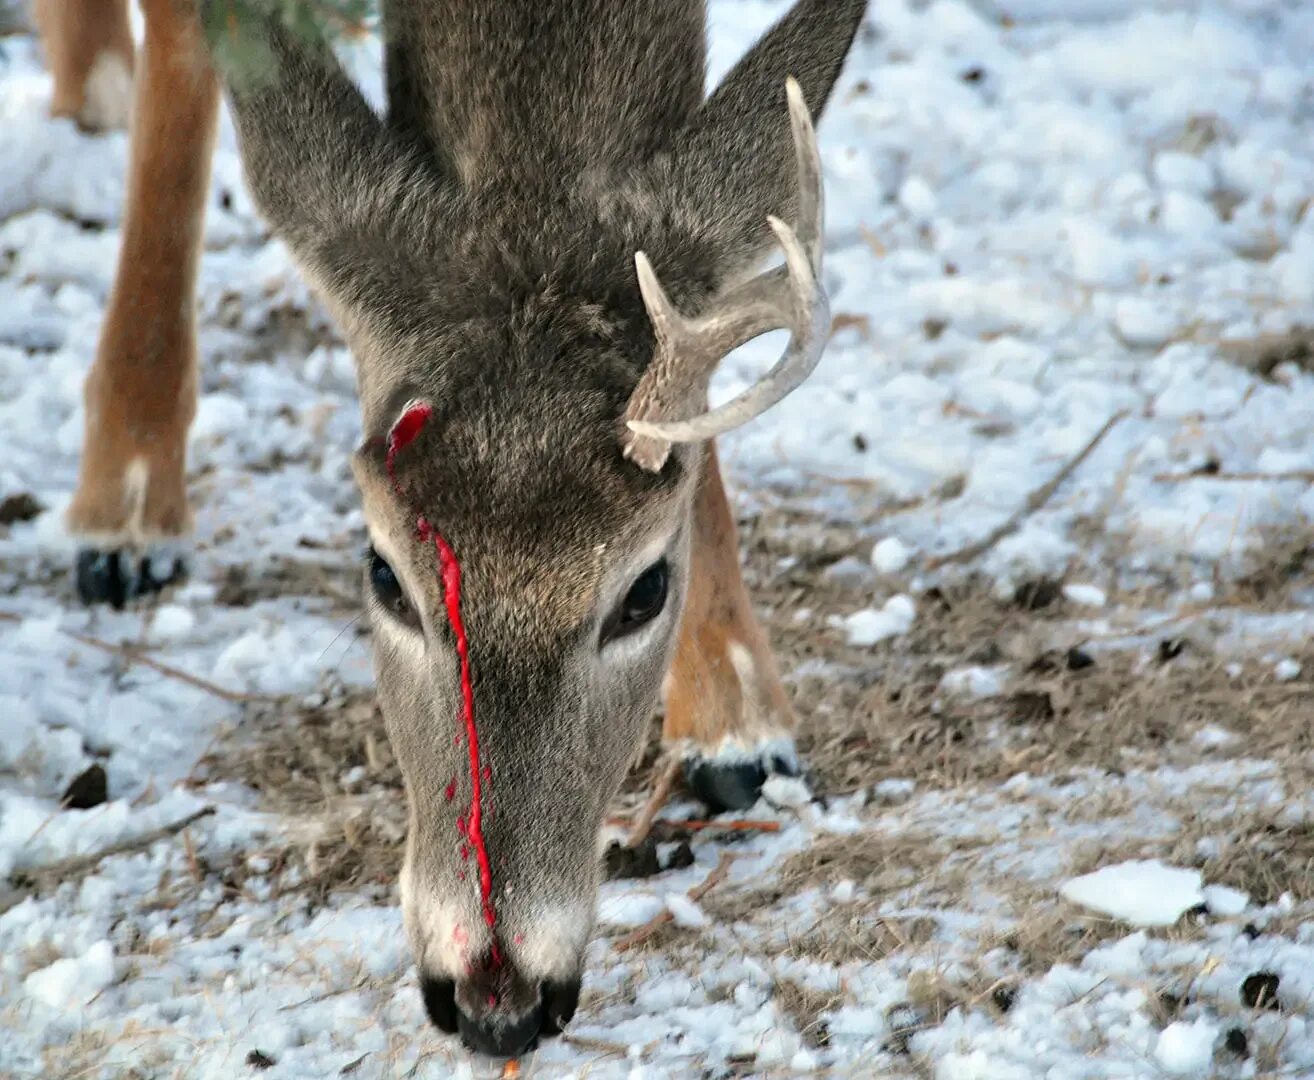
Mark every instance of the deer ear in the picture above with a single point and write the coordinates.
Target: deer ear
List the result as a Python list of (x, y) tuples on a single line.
[(734, 165), (338, 187)]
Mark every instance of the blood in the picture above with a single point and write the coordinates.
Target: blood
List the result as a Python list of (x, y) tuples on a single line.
[(469, 825), (450, 793)]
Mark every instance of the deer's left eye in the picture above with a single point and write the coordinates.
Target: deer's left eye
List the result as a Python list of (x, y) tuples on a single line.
[(388, 590), (643, 603)]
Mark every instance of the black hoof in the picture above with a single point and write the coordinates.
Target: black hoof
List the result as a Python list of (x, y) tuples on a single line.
[(734, 784), (118, 576)]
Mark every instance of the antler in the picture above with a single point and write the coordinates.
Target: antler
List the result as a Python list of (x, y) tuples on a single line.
[(689, 349)]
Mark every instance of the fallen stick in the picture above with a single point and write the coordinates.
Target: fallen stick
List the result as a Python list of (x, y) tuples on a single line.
[(1035, 501), (697, 824), (736, 825), (664, 916), (77, 865), (133, 654), (600, 1046), (1304, 476), (661, 791)]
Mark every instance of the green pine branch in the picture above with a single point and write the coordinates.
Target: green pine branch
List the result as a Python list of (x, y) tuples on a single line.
[(234, 28)]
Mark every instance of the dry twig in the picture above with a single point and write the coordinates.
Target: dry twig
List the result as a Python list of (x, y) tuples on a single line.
[(133, 654), (31, 878), (661, 791), (1304, 476), (1035, 501), (636, 937), (698, 824)]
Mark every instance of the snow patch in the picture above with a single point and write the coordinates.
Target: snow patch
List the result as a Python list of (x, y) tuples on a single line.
[(871, 626), (1142, 892)]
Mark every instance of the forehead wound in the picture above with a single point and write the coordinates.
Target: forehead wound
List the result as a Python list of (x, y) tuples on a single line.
[(553, 568)]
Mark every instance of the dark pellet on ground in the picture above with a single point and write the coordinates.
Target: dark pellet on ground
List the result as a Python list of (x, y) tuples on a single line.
[(88, 789), (20, 507), (1260, 991), (1079, 660)]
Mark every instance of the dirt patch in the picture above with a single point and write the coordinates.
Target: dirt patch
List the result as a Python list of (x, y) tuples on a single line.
[(1070, 700), (807, 1007), (1266, 353), (330, 769)]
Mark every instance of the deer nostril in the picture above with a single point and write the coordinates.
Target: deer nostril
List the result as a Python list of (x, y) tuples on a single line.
[(499, 1036), (440, 1003), (560, 1000)]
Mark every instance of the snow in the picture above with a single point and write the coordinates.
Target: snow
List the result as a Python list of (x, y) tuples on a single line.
[(1186, 1049), (1034, 222), (1224, 900), (1086, 595), (890, 555), (71, 983), (1142, 892), (685, 911), (869, 626), (1286, 669), (974, 682)]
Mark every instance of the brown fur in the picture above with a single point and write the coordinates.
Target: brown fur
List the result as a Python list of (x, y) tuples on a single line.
[(78, 34), (706, 701), (141, 391)]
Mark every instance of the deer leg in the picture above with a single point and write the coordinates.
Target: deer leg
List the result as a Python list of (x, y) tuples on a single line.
[(88, 46), (140, 394), (725, 705)]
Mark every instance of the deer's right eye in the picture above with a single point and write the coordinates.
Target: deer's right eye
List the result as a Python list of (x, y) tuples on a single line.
[(643, 603), (388, 590)]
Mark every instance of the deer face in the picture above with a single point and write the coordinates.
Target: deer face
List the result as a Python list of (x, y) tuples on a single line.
[(530, 521), (524, 582)]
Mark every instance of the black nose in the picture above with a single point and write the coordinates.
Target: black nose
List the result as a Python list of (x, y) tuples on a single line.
[(489, 1023), (498, 1035)]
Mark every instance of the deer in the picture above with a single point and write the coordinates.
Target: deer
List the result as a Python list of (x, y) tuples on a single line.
[(538, 256)]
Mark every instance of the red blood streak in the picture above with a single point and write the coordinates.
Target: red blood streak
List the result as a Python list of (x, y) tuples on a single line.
[(450, 793), (451, 572), (404, 432)]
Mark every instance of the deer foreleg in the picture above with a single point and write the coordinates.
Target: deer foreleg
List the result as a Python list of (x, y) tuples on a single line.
[(141, 391), (88, 46), (725, 705)]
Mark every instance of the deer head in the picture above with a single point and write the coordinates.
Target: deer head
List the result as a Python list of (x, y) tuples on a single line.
[(538, 259)]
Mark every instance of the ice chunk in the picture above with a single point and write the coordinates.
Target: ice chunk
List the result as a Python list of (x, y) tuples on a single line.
[(72, 982), (1224, 900), (1086, 595), (976, 682), (685, 911), (1143, 324), (1286, 669), (870, 626), (890, 555), (1186, 1049), (1142, 892)]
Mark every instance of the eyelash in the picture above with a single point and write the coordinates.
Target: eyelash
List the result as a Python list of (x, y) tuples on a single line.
[(387, 589), (642, 603)]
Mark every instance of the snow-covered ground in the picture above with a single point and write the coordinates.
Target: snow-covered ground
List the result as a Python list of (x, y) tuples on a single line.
[(1042, 214)]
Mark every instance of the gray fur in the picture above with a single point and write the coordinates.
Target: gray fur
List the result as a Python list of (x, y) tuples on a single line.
[(477, 246)]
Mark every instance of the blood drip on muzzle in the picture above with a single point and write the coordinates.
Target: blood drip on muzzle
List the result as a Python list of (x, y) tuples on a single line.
[(404, 432)]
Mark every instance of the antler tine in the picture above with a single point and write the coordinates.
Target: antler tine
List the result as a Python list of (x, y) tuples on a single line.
[(688, 349), (811, 193)]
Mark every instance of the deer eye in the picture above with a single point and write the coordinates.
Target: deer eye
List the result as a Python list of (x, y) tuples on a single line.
[(642, 604), (388, 590)]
